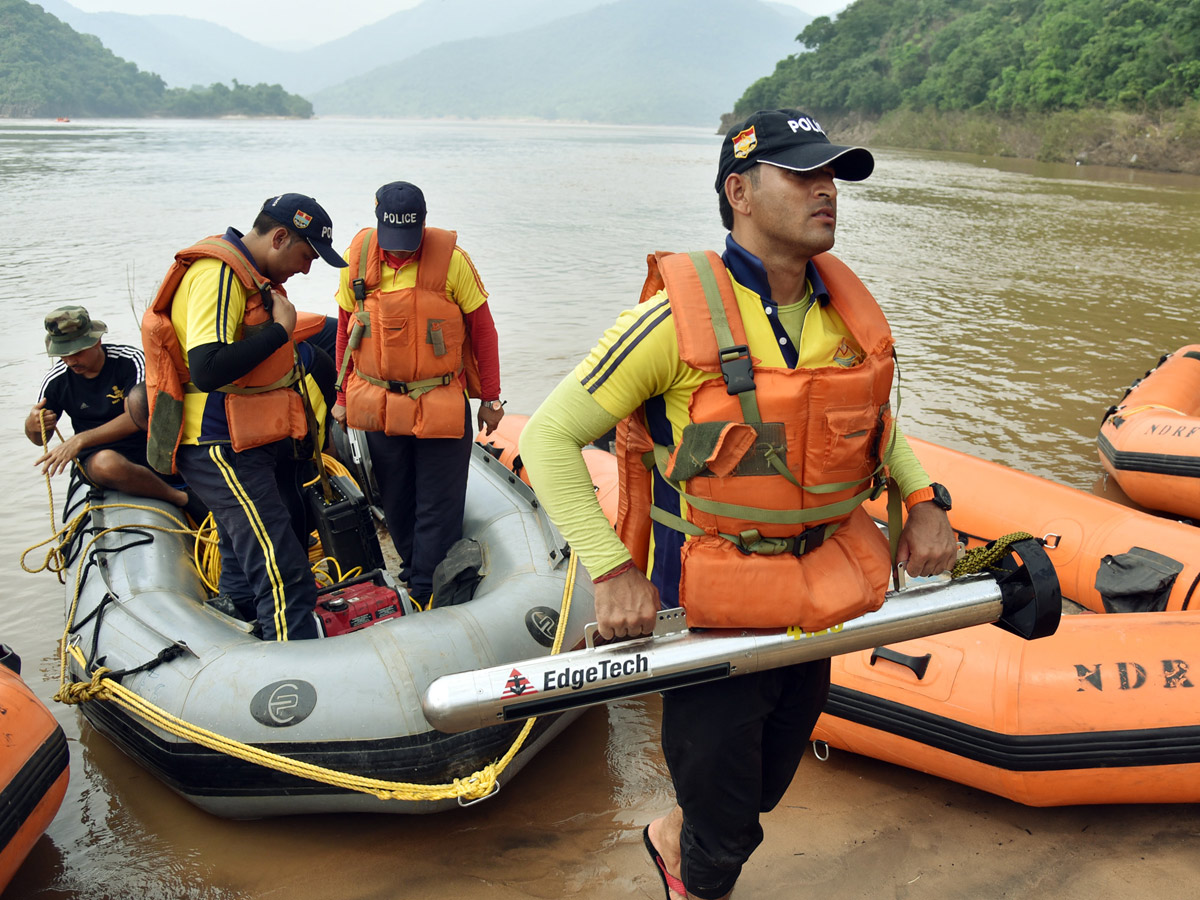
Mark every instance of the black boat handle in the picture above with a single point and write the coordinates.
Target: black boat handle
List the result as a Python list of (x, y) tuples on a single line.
[(918, 664)]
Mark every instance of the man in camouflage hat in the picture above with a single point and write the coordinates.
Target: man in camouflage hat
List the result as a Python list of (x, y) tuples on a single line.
[(90, 382)]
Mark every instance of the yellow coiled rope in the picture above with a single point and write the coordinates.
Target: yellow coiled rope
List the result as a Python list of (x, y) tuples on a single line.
[(326, 569), (71, 528), (473, 787), (983, 559)]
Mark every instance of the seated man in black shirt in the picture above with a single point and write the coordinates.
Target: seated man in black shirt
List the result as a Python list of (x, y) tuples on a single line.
[(90, 383)]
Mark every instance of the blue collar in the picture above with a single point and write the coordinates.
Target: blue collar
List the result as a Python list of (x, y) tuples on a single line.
[(235, 237), (748, 271)]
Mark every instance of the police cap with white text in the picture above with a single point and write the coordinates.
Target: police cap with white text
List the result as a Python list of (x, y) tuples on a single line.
[(792, 140), (400, 216), (307, 218)]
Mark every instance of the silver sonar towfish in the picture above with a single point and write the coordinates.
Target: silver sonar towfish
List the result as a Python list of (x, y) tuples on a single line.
[(1023, 599)]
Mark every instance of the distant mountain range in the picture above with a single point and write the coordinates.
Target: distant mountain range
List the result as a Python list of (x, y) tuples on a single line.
[(621, 61), (186, 51), (671, 62), (48, 69)]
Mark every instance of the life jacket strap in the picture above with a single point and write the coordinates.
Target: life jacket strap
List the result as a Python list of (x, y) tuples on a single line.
[(737, 368), (413, 388), (660, 456), (249, 272), (286, 381), (752, 541), (360, 329)]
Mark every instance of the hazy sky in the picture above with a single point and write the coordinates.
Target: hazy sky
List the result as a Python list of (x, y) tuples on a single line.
[(313, 21)]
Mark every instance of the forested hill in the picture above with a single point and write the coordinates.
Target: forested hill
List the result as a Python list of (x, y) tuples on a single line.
[(997, 56), (49, 70)]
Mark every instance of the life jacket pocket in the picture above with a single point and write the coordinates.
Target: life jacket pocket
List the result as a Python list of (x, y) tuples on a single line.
[(259, 419), (710, 448), (394, 342), (845, 577), (851, 434), (434, 336), (441, 412), (401, 415), (366, 405)]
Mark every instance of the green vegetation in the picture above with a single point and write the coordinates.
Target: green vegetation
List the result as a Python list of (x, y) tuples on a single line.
[(240, 100), (1003, 56), (49, 70), (1113, 82)]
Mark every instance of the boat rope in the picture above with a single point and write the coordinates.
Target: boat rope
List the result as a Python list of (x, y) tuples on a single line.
[(984, 559), (71, 528), (56, 561), (326, 569), (103, 683), (476, 786), (1146, 407)]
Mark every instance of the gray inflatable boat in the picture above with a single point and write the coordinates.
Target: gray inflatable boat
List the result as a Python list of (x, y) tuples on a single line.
[(350, 703)]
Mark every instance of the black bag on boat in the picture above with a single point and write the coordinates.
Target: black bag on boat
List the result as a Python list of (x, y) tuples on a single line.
[(457, 576), (1137, 581), (345, 526)]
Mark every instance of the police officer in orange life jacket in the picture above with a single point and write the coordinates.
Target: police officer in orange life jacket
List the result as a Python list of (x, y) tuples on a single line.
[(234, 430), (740, 384), (415, 339)]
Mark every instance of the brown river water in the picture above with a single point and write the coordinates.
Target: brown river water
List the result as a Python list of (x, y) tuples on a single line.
[(1025, 298)]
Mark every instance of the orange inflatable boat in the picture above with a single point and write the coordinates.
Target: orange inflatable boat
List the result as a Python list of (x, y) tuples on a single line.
[(33, 767), (502, 444), (1150, 442), (1106, 710), (1109, 557)]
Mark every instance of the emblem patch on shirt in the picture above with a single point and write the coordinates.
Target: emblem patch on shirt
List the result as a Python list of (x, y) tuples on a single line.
[(744, 142), (117, 394), (301, 219), (845, 355)]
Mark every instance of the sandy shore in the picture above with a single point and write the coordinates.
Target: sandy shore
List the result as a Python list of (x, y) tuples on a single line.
[(849, 828)]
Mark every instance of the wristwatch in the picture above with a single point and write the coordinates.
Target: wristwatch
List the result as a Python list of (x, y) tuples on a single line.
[(492, 404), (935, 492)]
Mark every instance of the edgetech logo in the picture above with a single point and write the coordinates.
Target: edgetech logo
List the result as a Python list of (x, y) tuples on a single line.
[(578, 678)]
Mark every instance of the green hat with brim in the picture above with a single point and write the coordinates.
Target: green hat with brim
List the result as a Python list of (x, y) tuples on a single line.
[(70, 329)]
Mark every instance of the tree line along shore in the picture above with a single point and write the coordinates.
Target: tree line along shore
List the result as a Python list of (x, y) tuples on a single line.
[(1102, 82), (1162, 141)]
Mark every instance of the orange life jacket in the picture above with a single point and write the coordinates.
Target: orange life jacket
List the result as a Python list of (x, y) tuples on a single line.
[(773, 464), (260, 406), (410, 347)]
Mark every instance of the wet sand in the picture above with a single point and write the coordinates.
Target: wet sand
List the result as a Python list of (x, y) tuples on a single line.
[(569, 826)]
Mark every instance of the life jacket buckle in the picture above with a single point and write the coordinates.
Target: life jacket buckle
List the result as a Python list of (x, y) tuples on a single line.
[(398, 387), (360, 290), (808, 540), (737, 369), (879, 482)]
